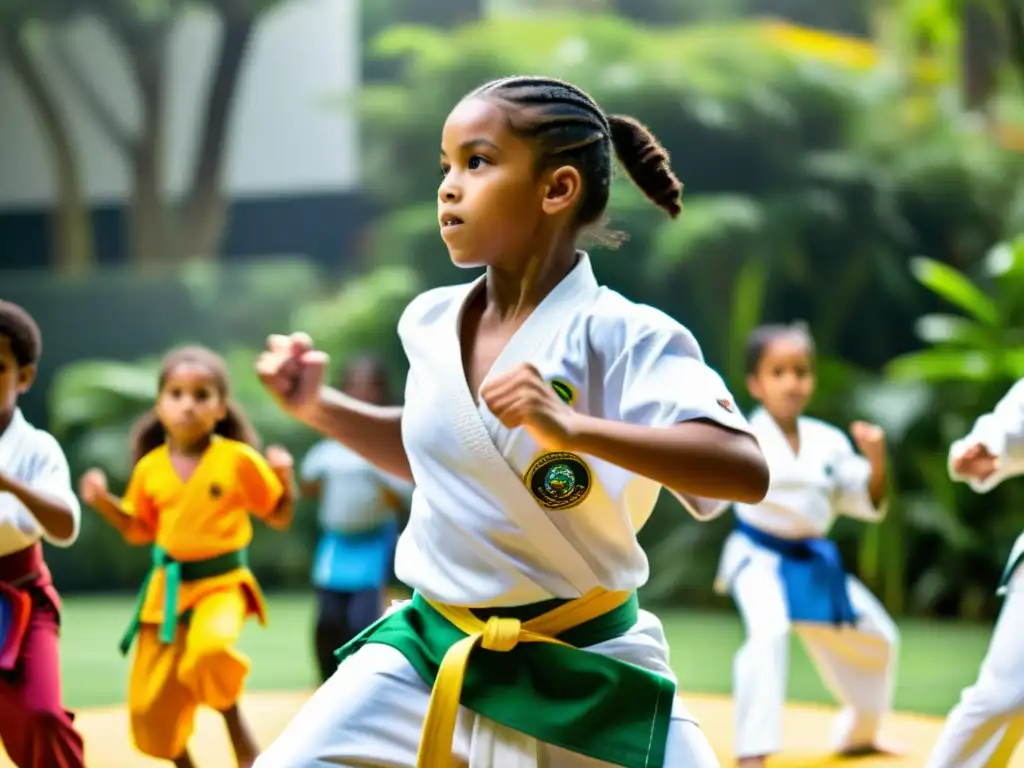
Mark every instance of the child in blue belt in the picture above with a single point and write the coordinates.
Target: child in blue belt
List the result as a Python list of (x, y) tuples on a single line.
[(784, 573), (360, 509)]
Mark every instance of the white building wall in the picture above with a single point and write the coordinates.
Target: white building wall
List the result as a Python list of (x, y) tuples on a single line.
[(285, 137)]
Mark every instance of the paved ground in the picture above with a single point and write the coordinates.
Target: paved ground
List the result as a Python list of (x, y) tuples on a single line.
[(806, 734)]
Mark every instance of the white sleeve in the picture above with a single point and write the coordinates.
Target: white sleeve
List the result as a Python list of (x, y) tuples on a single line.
[(660, 380), (850, 494), (50, 475), (1001, 432)]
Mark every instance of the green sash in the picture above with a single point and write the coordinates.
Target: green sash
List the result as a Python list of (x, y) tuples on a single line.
[(1011, 568), (581, 701), (176, 574)]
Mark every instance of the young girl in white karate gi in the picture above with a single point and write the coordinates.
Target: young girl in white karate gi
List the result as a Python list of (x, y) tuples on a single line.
[(984, 728), (543, 414), (784, 573)]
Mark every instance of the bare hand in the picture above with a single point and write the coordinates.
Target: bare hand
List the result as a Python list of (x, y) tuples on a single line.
[(93, 486), (869, 439), (293, 371), (4, 484), (280, 459), (976, 462), (521, 398)]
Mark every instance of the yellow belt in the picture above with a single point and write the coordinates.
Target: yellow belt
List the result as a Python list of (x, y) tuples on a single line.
[(494, 634)]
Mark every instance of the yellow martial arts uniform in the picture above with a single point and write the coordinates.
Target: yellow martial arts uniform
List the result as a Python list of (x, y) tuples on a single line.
[(190, 522)]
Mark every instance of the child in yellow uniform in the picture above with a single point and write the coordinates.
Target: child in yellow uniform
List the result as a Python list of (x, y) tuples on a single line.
[(197, 479)]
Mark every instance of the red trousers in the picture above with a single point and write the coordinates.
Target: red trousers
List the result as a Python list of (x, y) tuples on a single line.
[(36, 730)]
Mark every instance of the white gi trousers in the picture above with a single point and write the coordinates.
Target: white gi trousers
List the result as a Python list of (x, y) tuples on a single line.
[(370, 714)]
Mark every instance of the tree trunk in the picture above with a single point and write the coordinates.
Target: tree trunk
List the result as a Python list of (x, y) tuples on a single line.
[(73, 250), (149, 230), (205, 213), (1013, 22), (980, 54)]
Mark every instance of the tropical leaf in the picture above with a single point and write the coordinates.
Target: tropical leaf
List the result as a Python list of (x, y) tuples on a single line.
[(710, 226), (100, 393), (942, 365), (956, 288), (954, 330)]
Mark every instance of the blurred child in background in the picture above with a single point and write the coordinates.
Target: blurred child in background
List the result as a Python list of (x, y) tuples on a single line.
[(360, 507), (197, 478), (36, 504), (784, 573)]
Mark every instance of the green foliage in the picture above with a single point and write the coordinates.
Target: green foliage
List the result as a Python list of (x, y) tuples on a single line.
[(983, 344), (956, 540), (809, 188), (810, 191), (829, 179)]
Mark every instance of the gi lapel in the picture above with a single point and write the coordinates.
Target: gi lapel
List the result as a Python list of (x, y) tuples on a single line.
[(578, 289), (11, 439)]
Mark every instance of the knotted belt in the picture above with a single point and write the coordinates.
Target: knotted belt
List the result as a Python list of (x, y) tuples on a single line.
[(494, 634), (177, 573)]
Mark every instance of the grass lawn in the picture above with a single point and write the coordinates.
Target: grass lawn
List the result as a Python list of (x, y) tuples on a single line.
[(937, 659)]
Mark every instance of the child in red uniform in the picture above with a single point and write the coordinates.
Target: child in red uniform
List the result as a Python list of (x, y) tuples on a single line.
[(36, 503)]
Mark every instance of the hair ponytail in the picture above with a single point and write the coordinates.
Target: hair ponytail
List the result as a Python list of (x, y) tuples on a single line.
[(147, 434), (646, 162), (236, 426)]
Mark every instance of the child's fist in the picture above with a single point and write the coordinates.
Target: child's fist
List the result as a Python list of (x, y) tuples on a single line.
[(93, 486), (976, 462), (869, 439), (293, 371), (279, 459)]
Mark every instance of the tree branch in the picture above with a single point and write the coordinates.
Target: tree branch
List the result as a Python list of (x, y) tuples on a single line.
[(235, 37), (73, 247), (1014, 17), (36, 88), (100, 110)]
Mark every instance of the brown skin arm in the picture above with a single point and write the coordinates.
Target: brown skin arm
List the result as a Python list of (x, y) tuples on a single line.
[(696, 458), (282, 465), (281, 518), (372, 431), (310, 489), (55, 517), (870, 440), (109, 508)]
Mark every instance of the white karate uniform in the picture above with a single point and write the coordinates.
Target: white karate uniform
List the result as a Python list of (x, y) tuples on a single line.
[(34, 458), (985, 726), (479, 536), (808, 491)]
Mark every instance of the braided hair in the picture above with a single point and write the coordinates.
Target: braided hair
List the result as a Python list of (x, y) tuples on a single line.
[(569, 128)]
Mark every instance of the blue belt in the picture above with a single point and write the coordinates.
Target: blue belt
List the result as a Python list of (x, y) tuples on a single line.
[(812, 575)]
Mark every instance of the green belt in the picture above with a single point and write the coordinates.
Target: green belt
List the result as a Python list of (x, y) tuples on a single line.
[(1008, 572), (581, 701), (178, 573)]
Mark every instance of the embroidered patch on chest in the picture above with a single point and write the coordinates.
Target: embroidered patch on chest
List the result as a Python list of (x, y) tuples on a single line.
[(559, 480), (564, 390)]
